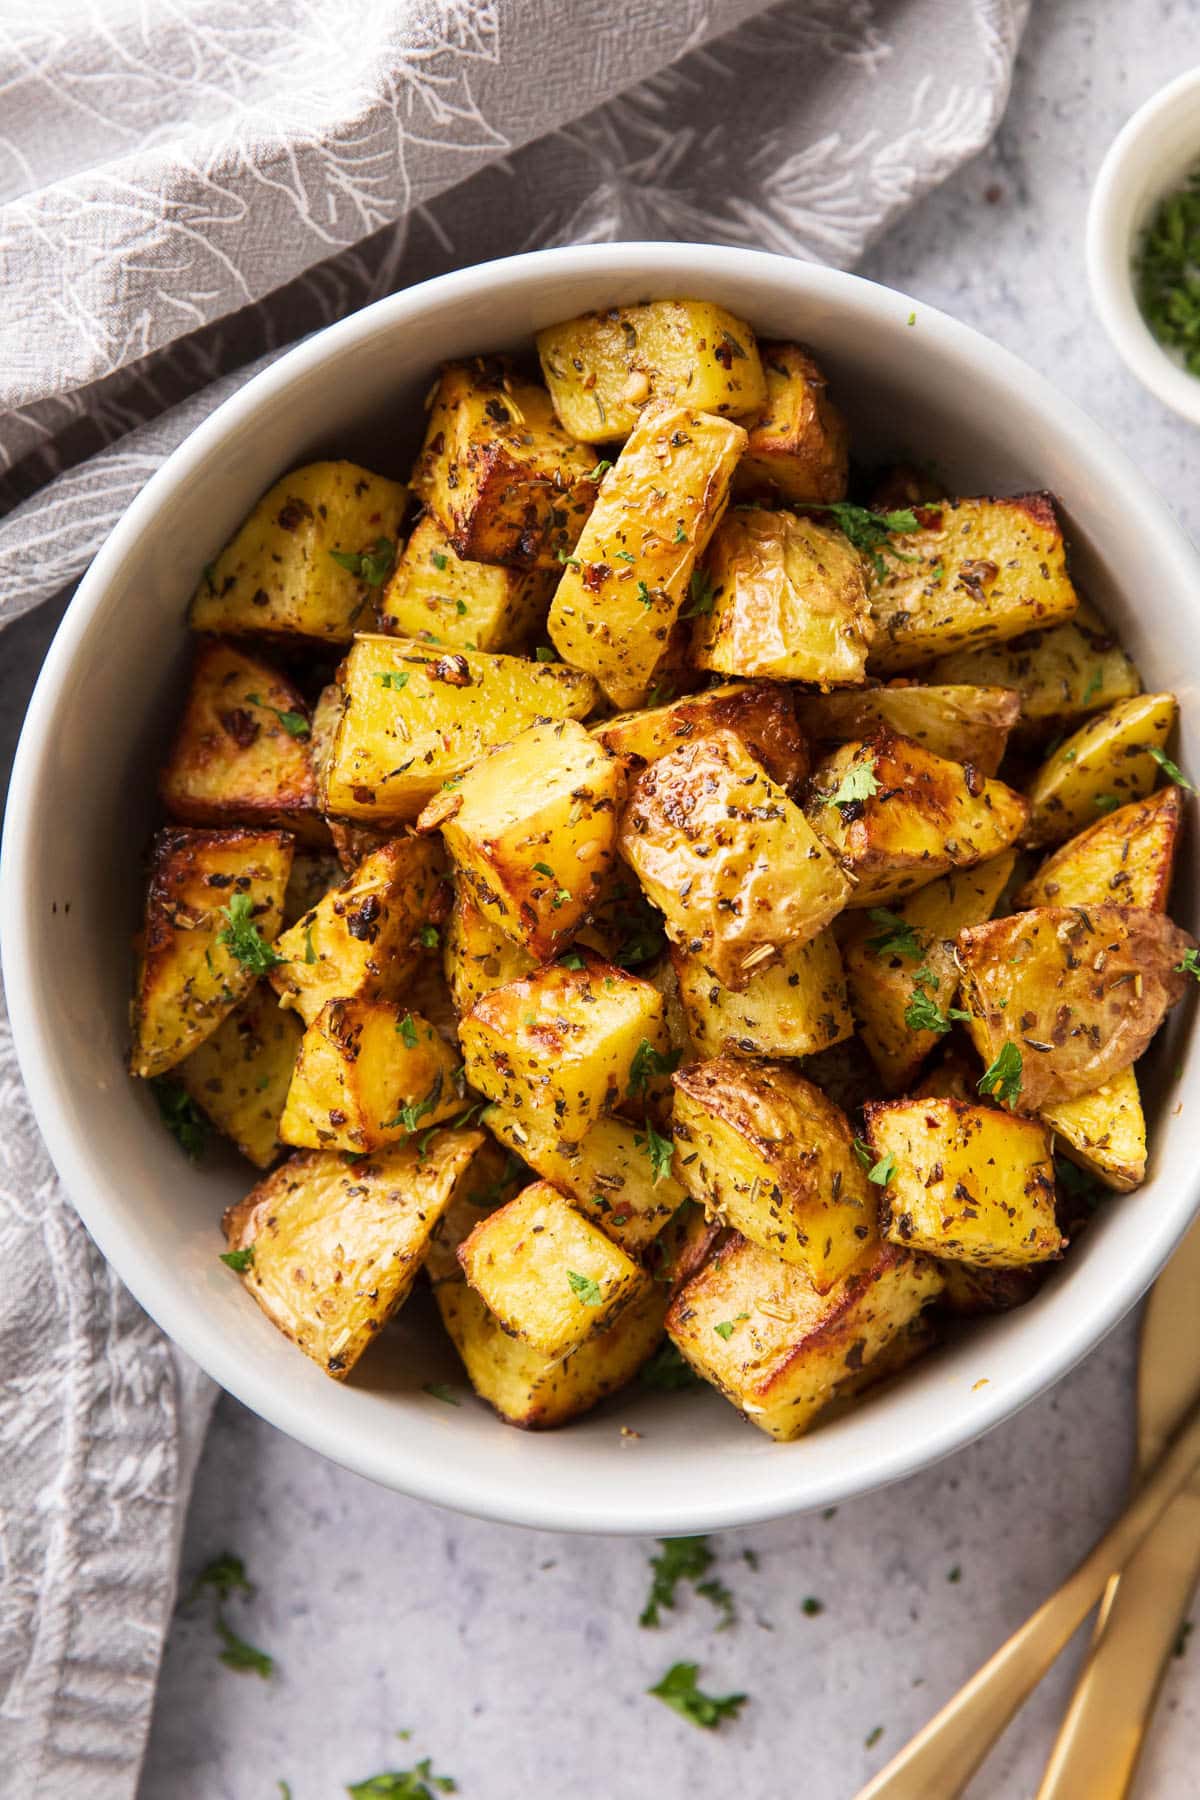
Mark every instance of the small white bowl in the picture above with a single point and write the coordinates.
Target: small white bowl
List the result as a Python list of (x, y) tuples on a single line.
[(1151, 156), (83, 800)]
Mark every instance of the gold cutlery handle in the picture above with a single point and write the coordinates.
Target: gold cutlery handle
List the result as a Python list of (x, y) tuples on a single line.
[(939, 1761), (1100, 1739)]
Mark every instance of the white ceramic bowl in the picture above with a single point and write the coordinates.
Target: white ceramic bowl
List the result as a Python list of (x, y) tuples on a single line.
[(82, 802), (1152, 154)]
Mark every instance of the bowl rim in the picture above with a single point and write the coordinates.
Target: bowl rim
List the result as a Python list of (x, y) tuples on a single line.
[(1114, 216), (496, 1494)]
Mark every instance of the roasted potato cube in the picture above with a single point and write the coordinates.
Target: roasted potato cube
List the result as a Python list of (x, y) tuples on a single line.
[(896, 816), (241, 755), (625, 587), (1104, 1131), (972, 1292), (1061, 674), (369, 1073), (414, 718), (363, 939), (317, 547), (965, 1181), (536, 1391), (1126, 857), (734, 867), (532, 830), (556, 1048), (761, 713), (606, 1175), (433, 593), (766, 1151), (758, 1330), (604, 368), (976, 572), (211, 894), (792, 1007), (336, 1246), (240, 1075), (901, 969), (787, 599), (1105, 764), (799, 447), (551, 1277), (1062, 998), (497, 470), (963, 724), (478, 956)]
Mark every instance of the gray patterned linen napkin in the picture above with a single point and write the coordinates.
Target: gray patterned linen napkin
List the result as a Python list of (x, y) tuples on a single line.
[(185, 191)]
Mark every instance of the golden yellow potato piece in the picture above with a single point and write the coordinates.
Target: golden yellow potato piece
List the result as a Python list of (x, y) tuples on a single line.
[(532, 830), (550, 1276), (896, 816), (478, 956), (558, 1047), (631, 574), (363, 938), (758, 1330), (1127, 858), (241, 1074), (901, 970), (761, 713), (1105, 764), (1063, 998), (799, 447), (788, 601), (1104, 1131), (795, 1006), (766, 1151), (313, 554), (369, 1073), (335, 1246), (205, 886), (965, 1182), (735, 868), (977, 572), (498, 472), (606, 1175), (963, 724), (603, 369), (414, 718), (433, 593)]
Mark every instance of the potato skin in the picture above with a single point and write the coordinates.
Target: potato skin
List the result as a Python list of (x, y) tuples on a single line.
[(963, 724), (799, 446), (1126, 858), (497, 470), (1079, 991), (735, 868), (967, 1182), (789, 601), (337, 1246), (279, 573), (187, 980), (763, 1149), (761, 713), (1108, 760), (984, 570)]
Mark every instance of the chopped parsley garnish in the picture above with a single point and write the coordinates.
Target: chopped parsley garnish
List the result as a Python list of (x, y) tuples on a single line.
[(812, 1608), (659, 1149), (181, 1116), (726, 1327), (869, 531), (679, 1559), (668, 1371), (239, 1260), (1003, 1078), (372, 566), (644, 594), (294, 723), (410, 1116), (545, 654), (921, 1013), (540, 868), (680, 534), (226, 1575), (647, 1065), (1171, 770), (1095, 683), (310, 955), (572, 960), (394, 678), (241, 936), (872, 1738), (1190, 964), (718, 1595), (430, 936), (701, 595), (954, 1575), (895, 937), (404, 1784), (460, 607), (864, 1152), (625, 556), (439, 560), (408, 1031), (678, 1689), (238, 1654), (858, 783), (585, 1288), (441, 1390), (1168, 291), (601, 469), (882, 1171), (1106, 803)]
